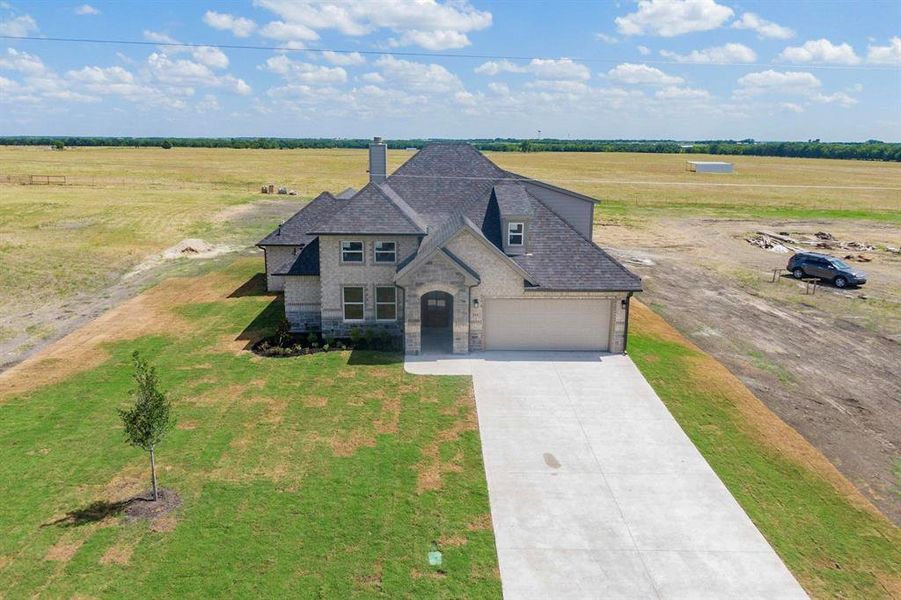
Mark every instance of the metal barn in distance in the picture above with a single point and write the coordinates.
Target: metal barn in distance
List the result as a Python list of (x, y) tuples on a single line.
[(704, 166)]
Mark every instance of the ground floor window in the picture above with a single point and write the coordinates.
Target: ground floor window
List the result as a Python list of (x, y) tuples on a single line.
[(352, 298), (386, 303)]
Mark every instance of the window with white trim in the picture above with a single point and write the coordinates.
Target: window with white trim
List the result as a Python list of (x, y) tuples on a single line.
[(351, 252), (515, 234), (386, 303), (386, 252), (352, 299)]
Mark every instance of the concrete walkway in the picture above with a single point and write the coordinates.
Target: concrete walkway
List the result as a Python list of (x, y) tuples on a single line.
[(596, 492)]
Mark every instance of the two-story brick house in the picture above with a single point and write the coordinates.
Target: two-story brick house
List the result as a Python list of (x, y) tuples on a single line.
[(455, 254)]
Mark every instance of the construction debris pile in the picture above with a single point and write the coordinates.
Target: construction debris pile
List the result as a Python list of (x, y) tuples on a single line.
[(784, 242), (270, 189)]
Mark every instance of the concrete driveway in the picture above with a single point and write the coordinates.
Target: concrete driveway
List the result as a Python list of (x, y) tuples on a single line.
[(596, 492)]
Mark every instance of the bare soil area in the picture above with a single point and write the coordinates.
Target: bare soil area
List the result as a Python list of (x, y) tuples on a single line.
[(827, 363)]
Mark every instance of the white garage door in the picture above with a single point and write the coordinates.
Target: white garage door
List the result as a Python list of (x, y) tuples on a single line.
[(546, 324)]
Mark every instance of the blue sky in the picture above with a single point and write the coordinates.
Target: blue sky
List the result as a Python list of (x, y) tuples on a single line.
[(685, 69)]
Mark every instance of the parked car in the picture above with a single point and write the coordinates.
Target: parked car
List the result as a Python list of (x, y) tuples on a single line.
[(828, 268)]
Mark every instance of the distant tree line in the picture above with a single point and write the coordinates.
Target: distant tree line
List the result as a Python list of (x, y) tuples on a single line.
[(869, 150)]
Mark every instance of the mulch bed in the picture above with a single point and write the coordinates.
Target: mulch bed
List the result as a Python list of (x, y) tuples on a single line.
[(144, 507)]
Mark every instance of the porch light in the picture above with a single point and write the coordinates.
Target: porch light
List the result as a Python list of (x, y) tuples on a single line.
[(475, 302)]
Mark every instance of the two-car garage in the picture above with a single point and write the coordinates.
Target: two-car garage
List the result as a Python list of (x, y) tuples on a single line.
[(547, 323)]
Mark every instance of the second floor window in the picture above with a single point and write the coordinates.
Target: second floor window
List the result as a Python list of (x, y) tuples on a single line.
[(385, 252), (352, 252), (514, 234)]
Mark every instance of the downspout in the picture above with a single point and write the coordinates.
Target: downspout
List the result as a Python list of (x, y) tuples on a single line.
[(626, 330), (469, 320), (404, 329)]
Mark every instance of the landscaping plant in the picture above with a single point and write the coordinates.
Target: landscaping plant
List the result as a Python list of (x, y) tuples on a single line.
[(147, 422)]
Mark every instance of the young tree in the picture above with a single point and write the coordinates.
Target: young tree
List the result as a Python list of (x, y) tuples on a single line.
[(148, 421)]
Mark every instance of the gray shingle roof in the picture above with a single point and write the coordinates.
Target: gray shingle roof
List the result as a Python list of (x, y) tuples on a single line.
[(295, 231), (444, 187), (372, 211), (307, 262), (513, 199)]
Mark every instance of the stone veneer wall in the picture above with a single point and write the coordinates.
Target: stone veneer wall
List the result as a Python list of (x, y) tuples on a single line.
[(438, 273), (278, 260), (334, 275), (498, 280), (303, 306)]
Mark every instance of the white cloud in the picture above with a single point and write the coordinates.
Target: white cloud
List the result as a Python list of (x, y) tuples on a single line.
[(784, 82), (210, 56), (644, 50), (418, 77), (159, 37), (86, 10), (289, 32), (239, 26), (293, 70), (21, 61), (372, 77), (606, 38), (494, 67), (499, 88), (764, 28), (209, 104), (821, 51), (344, 58), (558, 69), (792, 107), (720, 55), (669, 18), (885, 55), (426, 23), (431, 40), (184, 74), (560, 85), (18, 26), (543, 68), (641, 74), (840, 98), (680, 93)]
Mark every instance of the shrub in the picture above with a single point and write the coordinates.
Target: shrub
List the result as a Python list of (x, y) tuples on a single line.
[(313, 339), (356, 336), (282, 331), (166, 145)]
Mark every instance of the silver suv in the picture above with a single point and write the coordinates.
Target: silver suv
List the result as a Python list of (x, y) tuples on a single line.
[(823, 266)]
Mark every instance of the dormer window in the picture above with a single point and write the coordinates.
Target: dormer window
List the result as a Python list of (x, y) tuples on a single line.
[(515, 234)]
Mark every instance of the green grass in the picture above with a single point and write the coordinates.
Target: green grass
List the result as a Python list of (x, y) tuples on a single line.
[(282, 496), (834, 547)]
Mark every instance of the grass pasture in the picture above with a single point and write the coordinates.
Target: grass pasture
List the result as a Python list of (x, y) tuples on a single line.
[(125, 204), (322, 476)]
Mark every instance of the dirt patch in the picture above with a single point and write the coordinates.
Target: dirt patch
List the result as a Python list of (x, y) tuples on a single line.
[(372, 581), (347, 445), (118, 554), (417, 574), (143, 507), (454, 540), (186, 425), (63, 550), (389, 418), (147, 314), (164, 524), (481, 523), (187, 248), (430, 469), (709, 374), (315, 402)]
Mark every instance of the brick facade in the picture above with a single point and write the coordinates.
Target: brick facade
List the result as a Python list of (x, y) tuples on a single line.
[(303, 305), (335, 275), (278, 260)]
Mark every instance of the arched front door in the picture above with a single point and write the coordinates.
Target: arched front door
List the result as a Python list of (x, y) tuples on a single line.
[(437, 318)]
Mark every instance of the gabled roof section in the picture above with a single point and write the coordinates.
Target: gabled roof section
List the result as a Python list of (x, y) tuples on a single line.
[(561, 259), (513, 199), (372, 211), (307, 262), (435, 242), (295, 231)]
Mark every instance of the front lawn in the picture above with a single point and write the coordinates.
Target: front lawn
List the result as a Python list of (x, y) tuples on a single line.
[(830, 537), (328, 475)]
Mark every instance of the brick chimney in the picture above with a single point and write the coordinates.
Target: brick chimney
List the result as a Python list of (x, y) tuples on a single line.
[(378, 160)]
